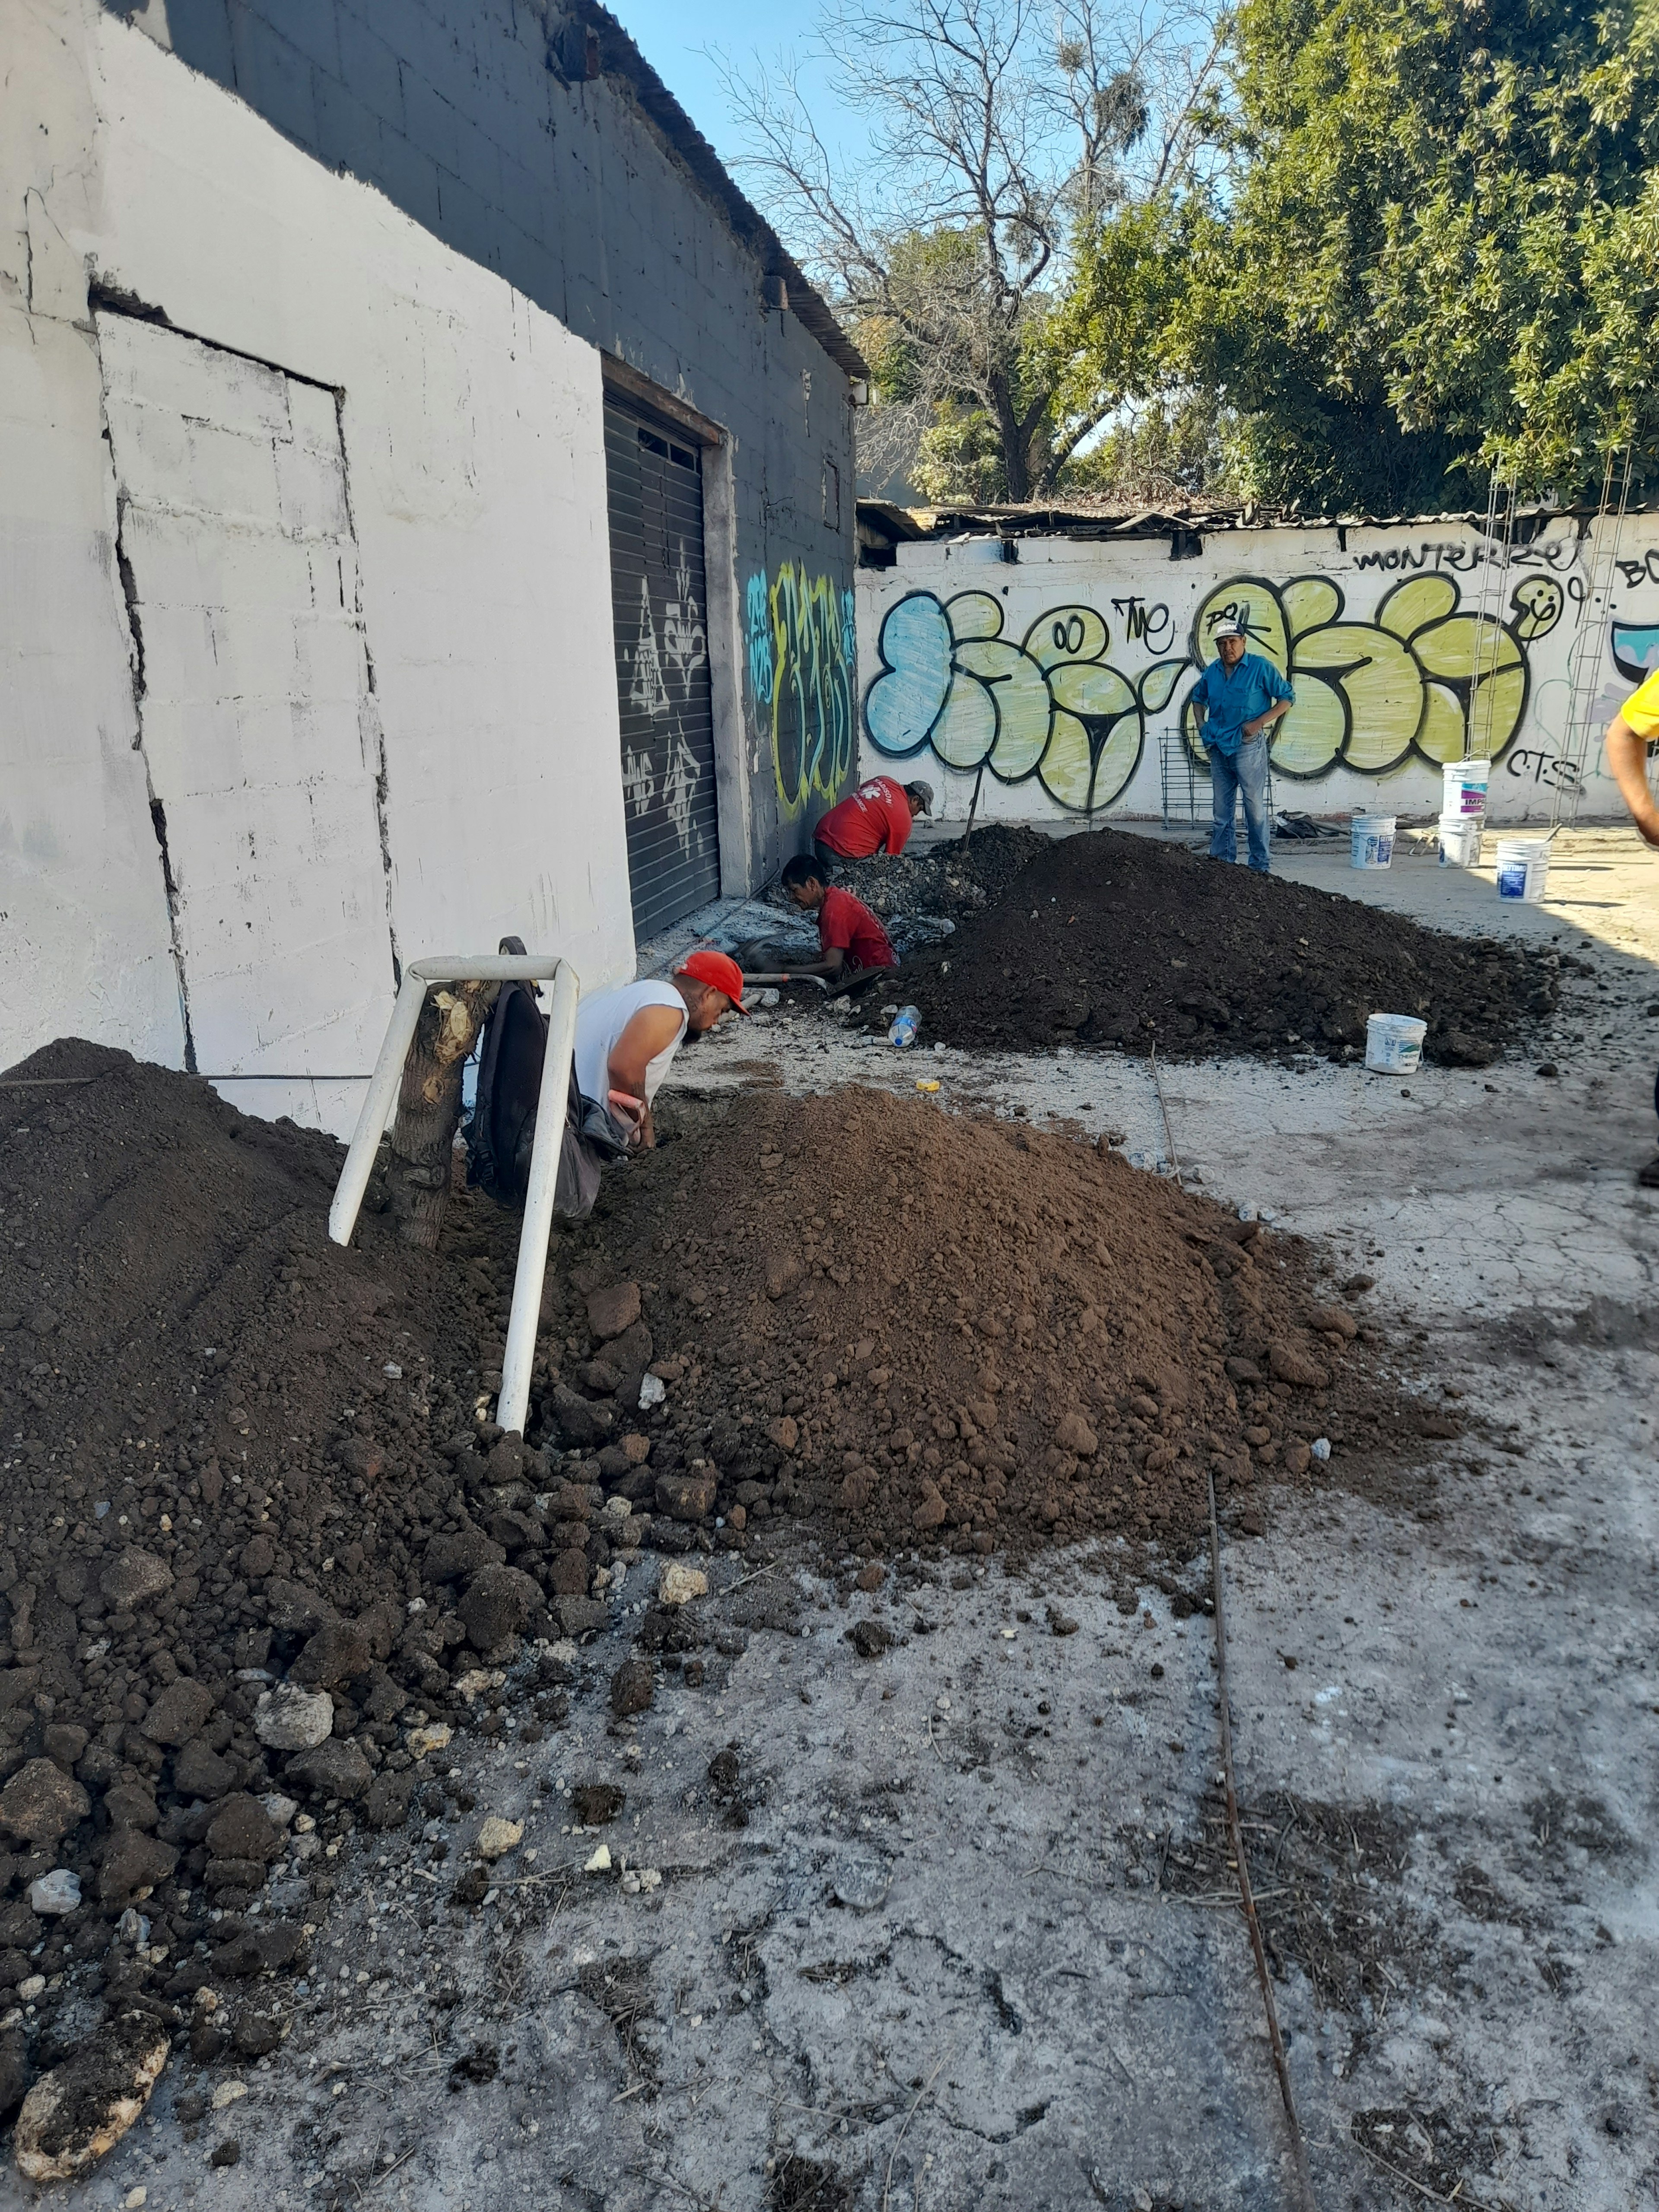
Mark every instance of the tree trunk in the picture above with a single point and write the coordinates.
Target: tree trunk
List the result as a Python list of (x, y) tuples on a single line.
[(1015, 470), (429, 1108)]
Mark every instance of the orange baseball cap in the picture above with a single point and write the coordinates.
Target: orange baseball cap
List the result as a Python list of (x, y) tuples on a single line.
[(720, 971)]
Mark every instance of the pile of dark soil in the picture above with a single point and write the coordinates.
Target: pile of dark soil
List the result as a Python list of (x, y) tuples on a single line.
[(260, 1536), (941, 878), (1114, 939)]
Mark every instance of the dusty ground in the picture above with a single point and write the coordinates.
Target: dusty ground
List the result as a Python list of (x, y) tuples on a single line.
[(950, 1928)]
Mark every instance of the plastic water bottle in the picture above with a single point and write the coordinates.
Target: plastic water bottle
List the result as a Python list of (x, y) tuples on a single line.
[(906, 1023)]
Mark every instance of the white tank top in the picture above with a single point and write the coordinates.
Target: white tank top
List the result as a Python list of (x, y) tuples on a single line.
[(601, 1020)]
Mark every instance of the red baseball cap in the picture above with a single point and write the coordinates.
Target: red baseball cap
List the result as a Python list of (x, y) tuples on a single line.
[(720, 971)]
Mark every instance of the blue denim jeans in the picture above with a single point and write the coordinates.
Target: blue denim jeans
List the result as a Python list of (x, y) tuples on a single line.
[(1246, 772)]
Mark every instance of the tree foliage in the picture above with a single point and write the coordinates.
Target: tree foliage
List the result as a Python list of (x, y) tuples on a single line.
[(1441, 257)]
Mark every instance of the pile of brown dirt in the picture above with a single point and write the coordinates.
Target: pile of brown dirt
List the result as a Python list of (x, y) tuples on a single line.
[(915, 1327), (258, 1530), (1114, 939)]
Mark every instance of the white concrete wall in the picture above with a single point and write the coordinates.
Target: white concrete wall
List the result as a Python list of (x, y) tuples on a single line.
[(457, 775), (1076, 660)]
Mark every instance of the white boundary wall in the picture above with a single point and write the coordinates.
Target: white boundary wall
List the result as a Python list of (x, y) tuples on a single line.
[(477, 787), (1080, 656)]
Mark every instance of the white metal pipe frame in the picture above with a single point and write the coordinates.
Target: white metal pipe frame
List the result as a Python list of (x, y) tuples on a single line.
[(378, 1106)]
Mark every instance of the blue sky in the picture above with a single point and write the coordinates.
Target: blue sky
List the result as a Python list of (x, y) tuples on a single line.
[(673, 37)]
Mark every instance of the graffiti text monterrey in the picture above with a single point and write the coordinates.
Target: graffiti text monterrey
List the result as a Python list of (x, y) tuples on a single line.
[(800, 652)]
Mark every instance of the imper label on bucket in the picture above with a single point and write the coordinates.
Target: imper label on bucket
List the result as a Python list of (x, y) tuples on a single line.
[(1394, 1043)]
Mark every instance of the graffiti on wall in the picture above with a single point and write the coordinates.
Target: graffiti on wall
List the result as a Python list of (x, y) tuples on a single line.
[(800, 653), (1050, 707), (1414, 681)]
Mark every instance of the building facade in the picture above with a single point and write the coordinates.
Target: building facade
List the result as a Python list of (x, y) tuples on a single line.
[(426, 503)]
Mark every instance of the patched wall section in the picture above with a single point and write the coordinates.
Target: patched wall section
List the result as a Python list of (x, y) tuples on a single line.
[(475, 117)]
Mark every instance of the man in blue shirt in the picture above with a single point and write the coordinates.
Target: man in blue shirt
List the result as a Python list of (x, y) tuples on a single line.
[(1236, 702)]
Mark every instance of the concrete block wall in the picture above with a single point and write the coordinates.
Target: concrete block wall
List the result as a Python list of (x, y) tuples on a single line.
[(319, 562), (458, 110), (1065, 672)]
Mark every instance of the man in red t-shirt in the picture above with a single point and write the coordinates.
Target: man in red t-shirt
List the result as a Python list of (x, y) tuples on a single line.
[(877, 818), (853, 946)]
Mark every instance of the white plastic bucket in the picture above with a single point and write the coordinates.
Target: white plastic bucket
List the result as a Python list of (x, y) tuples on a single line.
[(1523, 868), (1465, 785), (1461, 837), (1371, 840), (1394, 1044)]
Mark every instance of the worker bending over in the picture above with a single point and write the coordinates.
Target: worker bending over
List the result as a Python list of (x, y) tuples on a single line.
[(1627, 740), (875, 819), (853, 946), (627, 1038)]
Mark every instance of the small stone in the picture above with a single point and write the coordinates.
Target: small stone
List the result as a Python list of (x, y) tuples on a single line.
[(242, 1829), (678, 1584), (448, 1557), (1291, 1366), (637, 1449), (82, 2108), (1060, 1624), (278, 1809), (599, 1863), (860, 1881), (334, 1769), (198, 1771), (226, 2092), (929, 1510), (497, 1837), (338, 1651), (228, 2153), (63, 1743), (132, 1863), (869, 1638), (1332, 1320), (55, 1893), (686, 1497), (633, 1687), (784, 1432), (31, 1986), (653, 1391), (870, 1578), (182, 1711), (1294, 1457), (429, 1736), (610, 1311), (134, 1578), (387, 1805), (568, 1575), (135, 2198), (499, 1601), (41, 1803), (287, 1718)]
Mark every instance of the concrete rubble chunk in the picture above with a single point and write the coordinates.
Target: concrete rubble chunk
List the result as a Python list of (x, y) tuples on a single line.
[(679, 1584), (497, 1837), (289, 1718), (54, 1894), (78, 2113)]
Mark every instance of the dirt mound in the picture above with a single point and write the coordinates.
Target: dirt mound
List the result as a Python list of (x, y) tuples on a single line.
[(925, 1329), (1109, 938), (262, 1541)]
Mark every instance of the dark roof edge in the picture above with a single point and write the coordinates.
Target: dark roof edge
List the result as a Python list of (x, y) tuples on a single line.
[(943, 522), (620, 57)]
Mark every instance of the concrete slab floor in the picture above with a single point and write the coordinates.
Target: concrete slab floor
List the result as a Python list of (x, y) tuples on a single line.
[(972, 1945)]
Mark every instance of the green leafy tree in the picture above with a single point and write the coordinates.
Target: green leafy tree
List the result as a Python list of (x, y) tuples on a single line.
[(1442, 258)]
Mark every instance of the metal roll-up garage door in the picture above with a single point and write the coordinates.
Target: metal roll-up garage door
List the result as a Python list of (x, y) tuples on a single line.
[(660, 610)]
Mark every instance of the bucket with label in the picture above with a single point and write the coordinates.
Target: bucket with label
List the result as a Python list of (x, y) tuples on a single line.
[(1394, 1044), (1460, 836), (1371, 840), (1465, 783), (1523, 868)]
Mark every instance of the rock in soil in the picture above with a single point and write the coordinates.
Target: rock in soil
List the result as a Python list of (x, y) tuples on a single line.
[(81, 2109), (1111, 938)]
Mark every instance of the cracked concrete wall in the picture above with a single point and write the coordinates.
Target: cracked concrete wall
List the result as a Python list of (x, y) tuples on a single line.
[(1066, 668), (473, 707)]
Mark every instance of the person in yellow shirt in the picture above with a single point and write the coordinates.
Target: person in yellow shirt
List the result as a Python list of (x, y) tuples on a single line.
[(1628, 737)]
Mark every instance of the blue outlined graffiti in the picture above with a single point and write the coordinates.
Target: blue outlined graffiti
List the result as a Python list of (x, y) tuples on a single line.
[(801, 653), (1050, 707)]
